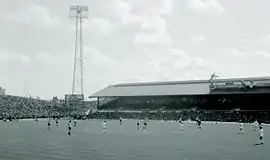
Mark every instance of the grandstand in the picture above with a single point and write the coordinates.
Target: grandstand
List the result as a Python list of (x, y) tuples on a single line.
[(249, 94)]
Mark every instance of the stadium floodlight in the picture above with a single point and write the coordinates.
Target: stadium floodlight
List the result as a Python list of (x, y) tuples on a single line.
[(78, 12)]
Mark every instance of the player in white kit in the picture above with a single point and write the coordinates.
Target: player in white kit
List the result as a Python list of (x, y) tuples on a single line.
[(255, 125), (199, 123), (261, 134), (104, 127), (241, 128), (189, 122), (181, 125)]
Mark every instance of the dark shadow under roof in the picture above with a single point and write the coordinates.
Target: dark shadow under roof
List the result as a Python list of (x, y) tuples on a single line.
[(192, 87)]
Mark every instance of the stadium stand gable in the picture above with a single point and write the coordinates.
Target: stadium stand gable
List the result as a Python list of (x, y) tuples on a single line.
[(195, 87)]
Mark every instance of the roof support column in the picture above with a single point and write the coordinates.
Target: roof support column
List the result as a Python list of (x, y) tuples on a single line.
[(150, 102), (97, 102)]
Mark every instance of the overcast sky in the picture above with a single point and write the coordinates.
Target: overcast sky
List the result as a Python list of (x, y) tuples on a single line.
[(130, 41)]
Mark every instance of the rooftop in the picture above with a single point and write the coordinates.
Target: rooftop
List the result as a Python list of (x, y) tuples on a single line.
[(192, 87)]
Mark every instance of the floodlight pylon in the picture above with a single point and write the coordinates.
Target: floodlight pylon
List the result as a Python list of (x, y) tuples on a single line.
[(78, 13)]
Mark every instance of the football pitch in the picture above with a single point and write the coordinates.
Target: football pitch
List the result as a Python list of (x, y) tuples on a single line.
[(30, 140)]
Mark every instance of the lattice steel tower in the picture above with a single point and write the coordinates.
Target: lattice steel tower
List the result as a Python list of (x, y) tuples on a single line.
[(78, 13)]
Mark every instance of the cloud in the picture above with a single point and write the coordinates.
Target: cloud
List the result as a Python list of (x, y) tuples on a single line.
[(263, 54), (159, 7), (236, 52), (156, 23), (113, 10), (134, 19), (126, 40), (48, 59), (206, 6), (94, 57), (247, 40), (172, 64), (35, 14), (148, 14), (7, 57), (246, 56), (152, 7), (197, 39), (122, 9), (101, 25), (153, 38), (265, 39), (154, 30), (24, 59), (153, 23), (182, 59), (166, 7), (239, 63)]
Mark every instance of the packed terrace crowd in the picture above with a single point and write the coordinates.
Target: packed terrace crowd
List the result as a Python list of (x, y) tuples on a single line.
[(224, 116), (23, 107)]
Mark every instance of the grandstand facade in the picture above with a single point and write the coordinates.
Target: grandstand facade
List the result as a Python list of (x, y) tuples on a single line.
[(249, 94)]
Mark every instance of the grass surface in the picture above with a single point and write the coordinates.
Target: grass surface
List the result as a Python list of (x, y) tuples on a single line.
[(30, 140)]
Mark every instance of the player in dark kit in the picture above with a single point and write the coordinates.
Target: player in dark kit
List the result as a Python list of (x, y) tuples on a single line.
[(69, 127), (56, 122), (259, 124), (138, 125), (120, 119), (75, 123), (49, 124), (145, 124), (199, 123)]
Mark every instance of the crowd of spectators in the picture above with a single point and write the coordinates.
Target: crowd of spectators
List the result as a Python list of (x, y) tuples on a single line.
[(204, 102), (224, 116), (27, 107)]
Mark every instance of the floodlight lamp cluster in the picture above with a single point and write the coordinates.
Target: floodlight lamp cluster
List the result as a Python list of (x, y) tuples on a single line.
[(78, 11)]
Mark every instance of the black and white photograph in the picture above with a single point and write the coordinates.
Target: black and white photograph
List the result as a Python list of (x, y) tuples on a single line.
[(134, 80)]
